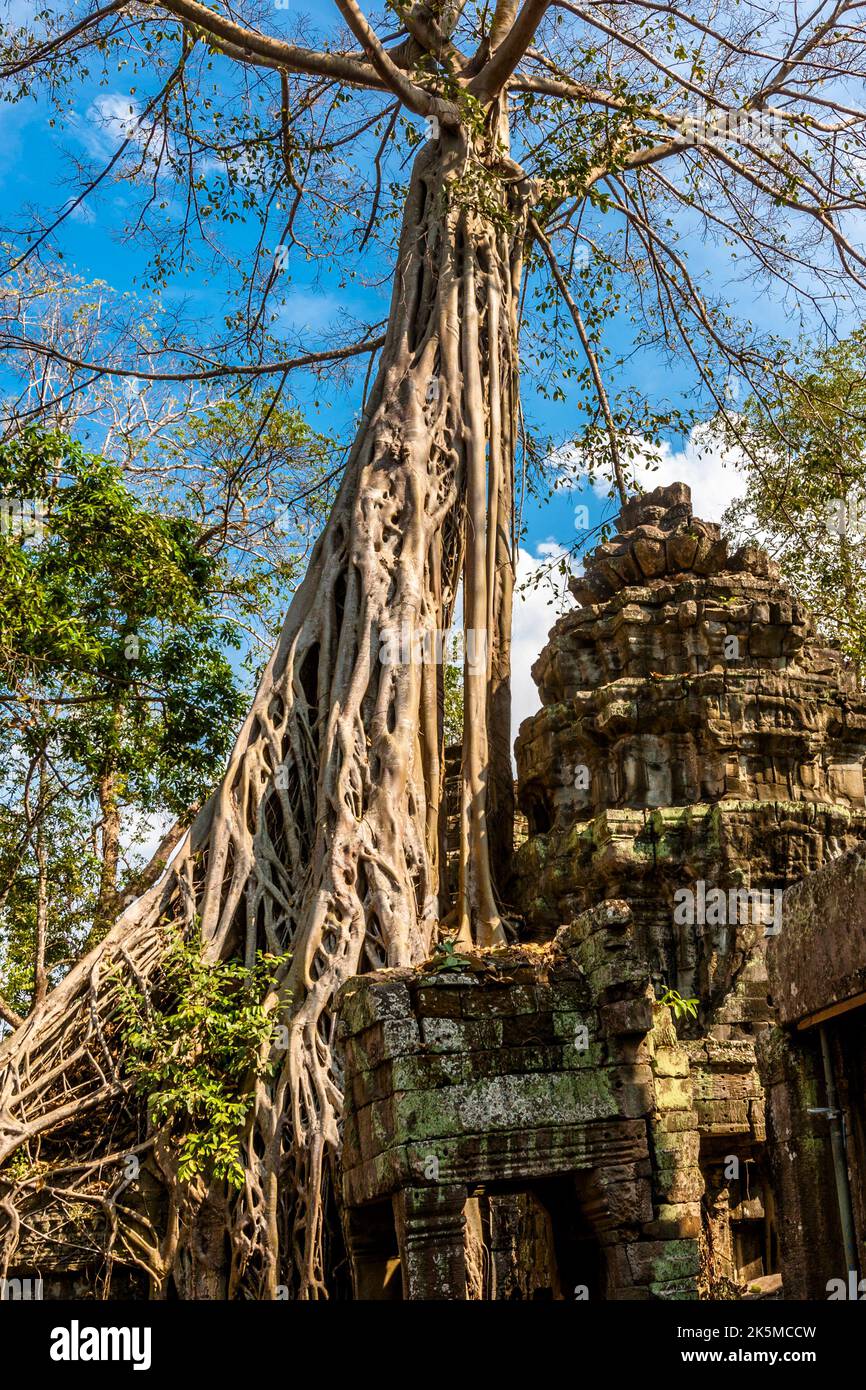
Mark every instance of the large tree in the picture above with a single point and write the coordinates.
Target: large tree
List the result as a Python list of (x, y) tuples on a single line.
[(588, 142), (117, 695)]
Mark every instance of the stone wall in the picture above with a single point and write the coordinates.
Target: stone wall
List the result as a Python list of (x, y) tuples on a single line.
[(819, 960), (817, 969), (695, 735), (524, 1067)]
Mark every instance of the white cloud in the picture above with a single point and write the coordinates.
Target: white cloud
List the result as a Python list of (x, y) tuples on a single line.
[(710, 469), (82, 213), (540, 597), (115, 117), (110, 119)]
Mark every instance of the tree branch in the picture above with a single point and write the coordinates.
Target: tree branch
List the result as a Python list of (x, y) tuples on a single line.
[(504, 59), (417, 100), (310, 359), (252, 47), (8, 1014), (51, 45), (591, 358)]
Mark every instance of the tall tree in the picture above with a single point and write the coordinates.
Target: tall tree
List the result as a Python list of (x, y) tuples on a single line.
[(587, 141), (116, 687)]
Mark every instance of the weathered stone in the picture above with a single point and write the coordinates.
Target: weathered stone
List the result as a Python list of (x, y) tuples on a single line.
[(627, 1016), (671, 1062), (361, 1006), (676, 1221), (460, 1035), (440, 1003), (817, 970), (673, 1092), (662, 1261), (818, 958)]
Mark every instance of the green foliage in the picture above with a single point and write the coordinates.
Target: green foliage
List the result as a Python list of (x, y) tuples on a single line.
[(446, 957), (258, 480), (196, 1056), (109, 636), (118, 697), (453, 678), (73, 874), (805, 459), (680, 1007)]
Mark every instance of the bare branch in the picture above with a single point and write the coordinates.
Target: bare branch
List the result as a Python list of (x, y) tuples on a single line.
[(52, 45), (412, 96), (591, 357), (8, 1014), (261, 49), (223, 369)]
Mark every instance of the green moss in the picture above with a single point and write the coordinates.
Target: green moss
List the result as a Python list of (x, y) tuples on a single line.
[(679, 1259)]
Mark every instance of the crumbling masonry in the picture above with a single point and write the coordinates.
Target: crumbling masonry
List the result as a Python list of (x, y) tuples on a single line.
[(532, 1121)]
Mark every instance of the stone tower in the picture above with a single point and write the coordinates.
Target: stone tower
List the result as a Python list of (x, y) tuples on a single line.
[(554, 1103), (694, 736)]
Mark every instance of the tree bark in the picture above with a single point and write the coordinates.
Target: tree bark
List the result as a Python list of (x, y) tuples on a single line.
[(107, 901), (40, 977), (323, 838)]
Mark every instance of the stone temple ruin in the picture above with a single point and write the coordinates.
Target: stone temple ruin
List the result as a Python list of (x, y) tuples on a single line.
[(698, 751)]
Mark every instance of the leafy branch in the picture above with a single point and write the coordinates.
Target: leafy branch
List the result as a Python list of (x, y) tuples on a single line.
[(196, 1057)]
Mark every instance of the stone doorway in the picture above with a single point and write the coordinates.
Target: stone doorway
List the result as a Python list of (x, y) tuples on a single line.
[(533, 1243)]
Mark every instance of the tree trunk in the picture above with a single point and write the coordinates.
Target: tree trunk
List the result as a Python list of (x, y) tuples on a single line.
[(40, 976), (107, 901), (323, 838)]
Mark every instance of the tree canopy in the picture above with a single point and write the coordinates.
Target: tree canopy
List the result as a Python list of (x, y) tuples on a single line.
[(675, 153), (117, 687)]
